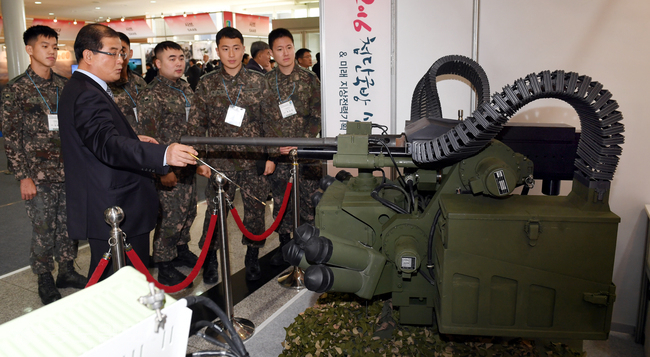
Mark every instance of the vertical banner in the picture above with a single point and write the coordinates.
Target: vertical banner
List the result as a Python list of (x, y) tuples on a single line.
[(356, 54)]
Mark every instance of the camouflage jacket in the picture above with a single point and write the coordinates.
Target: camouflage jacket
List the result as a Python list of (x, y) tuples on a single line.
[(125, 93), (302, 87), (214, 94), (33, 151), (161, 114)]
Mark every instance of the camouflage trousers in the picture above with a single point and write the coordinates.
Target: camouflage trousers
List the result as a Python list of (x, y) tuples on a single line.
[(309, 178), (47, 211), (177, 213), (254, 211)]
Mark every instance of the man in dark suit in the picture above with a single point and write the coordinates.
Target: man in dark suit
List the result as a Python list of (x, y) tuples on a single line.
[(193, 74), (106, 163), (261, 53)]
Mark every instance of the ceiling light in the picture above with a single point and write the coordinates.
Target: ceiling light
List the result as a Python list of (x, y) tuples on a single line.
[(153, 1), (108, 20), (37, 2), (51, 13), (75, 21), (98, 8), (122, 19), (55, 19)]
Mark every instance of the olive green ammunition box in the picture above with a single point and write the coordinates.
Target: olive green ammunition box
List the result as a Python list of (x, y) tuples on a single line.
[(525, 266)]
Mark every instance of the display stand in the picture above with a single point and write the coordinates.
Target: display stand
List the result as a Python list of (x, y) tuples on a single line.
[(244, 327), (294, 277)]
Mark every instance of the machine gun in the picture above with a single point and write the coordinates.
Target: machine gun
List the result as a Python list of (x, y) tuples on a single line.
[(449, 239)]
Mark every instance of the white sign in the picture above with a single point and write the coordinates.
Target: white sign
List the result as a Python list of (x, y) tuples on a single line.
[(356, 54)]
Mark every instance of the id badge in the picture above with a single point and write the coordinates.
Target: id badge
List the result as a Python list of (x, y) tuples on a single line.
[(53, 122), (187, 114), (235, 115), (287, 109), (135, 112)]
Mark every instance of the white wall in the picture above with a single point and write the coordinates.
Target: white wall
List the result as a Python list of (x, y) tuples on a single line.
[(604, 39)]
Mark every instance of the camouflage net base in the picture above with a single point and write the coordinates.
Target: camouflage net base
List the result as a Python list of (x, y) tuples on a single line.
[(346, 325)]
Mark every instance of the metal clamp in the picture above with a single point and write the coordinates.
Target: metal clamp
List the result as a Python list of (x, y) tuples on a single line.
[(155, 300)]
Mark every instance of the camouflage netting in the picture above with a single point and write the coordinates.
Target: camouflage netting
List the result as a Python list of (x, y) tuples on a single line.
[(346, 325)]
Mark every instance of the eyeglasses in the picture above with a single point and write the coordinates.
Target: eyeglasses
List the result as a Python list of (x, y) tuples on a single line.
[(122, 55)]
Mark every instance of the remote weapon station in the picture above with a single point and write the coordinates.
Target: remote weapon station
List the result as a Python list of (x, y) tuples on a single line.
[(449, 239)]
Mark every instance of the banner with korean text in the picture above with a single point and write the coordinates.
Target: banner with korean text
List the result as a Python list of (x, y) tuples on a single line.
[(196, 24), (137, 28), (356, 74), (67, 29)]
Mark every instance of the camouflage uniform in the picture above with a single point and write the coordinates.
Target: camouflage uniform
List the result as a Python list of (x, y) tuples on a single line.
[(161, 113), (215, 92), (34, 151), (302, 87), (125, 93)]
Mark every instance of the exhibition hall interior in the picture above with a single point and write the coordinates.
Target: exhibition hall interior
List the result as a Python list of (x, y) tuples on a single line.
[(393, 178)]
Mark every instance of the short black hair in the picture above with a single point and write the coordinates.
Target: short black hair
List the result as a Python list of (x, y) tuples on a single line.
[(318, 57), (124, 38), (245, 56), (192, 61), (301, 52), (229, 32), (33, 32), (166, 45), (258, 46), (278, 33), (90, 38)]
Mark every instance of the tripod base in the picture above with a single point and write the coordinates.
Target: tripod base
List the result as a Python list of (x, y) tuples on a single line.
[(244, 328), (294, 278)]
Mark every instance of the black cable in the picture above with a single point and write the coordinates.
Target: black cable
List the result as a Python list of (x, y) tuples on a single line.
[(238, 345), (203, 323), (432, 233), (214, 341), (399, 173), (375, 194), (384, 128), (427, 277)]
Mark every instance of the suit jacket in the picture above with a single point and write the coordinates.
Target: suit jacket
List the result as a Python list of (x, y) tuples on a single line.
[(105, 163), (193, 75), (255, 66)]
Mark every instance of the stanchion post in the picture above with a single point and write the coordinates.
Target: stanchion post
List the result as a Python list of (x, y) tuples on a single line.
[(245, 328), (114, 216), (294, 278)]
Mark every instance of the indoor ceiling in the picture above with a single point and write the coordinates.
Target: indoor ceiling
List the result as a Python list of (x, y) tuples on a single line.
[(99, 10)]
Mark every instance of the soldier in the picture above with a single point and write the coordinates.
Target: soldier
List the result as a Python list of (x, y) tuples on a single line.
[(127, 89), (164, 112), (293, 111), (33, 147), (227, 103)]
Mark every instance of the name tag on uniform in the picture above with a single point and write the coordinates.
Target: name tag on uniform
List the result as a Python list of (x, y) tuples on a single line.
[(187, 114), (235, 115), (287, 109), (53, 122)]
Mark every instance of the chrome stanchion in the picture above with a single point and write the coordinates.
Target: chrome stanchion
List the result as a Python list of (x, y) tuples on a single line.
[(245, 328), (294, 277), (114, 216)]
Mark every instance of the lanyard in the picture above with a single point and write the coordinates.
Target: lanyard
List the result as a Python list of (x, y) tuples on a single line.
[(129, 94), (44, 101), (187, 102), (226, 88), (278, 89)]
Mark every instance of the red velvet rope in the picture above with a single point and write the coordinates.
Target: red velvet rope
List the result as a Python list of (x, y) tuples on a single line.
[(99, 270), (137, 263), (276, 223)]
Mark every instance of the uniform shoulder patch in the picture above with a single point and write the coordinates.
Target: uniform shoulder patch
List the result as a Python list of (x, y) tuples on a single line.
[(17, 78), (8, 96)]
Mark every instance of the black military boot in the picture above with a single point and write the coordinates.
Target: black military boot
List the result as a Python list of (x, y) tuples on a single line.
[(168, 275), (185, 257), (46, 289), (68, 277), (253, 271), (211, 268), (277, 258)]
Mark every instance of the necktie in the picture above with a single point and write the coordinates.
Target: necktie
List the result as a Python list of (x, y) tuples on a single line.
[(110, 93)]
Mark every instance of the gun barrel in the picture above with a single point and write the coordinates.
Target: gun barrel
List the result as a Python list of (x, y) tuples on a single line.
[(302, 142)]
